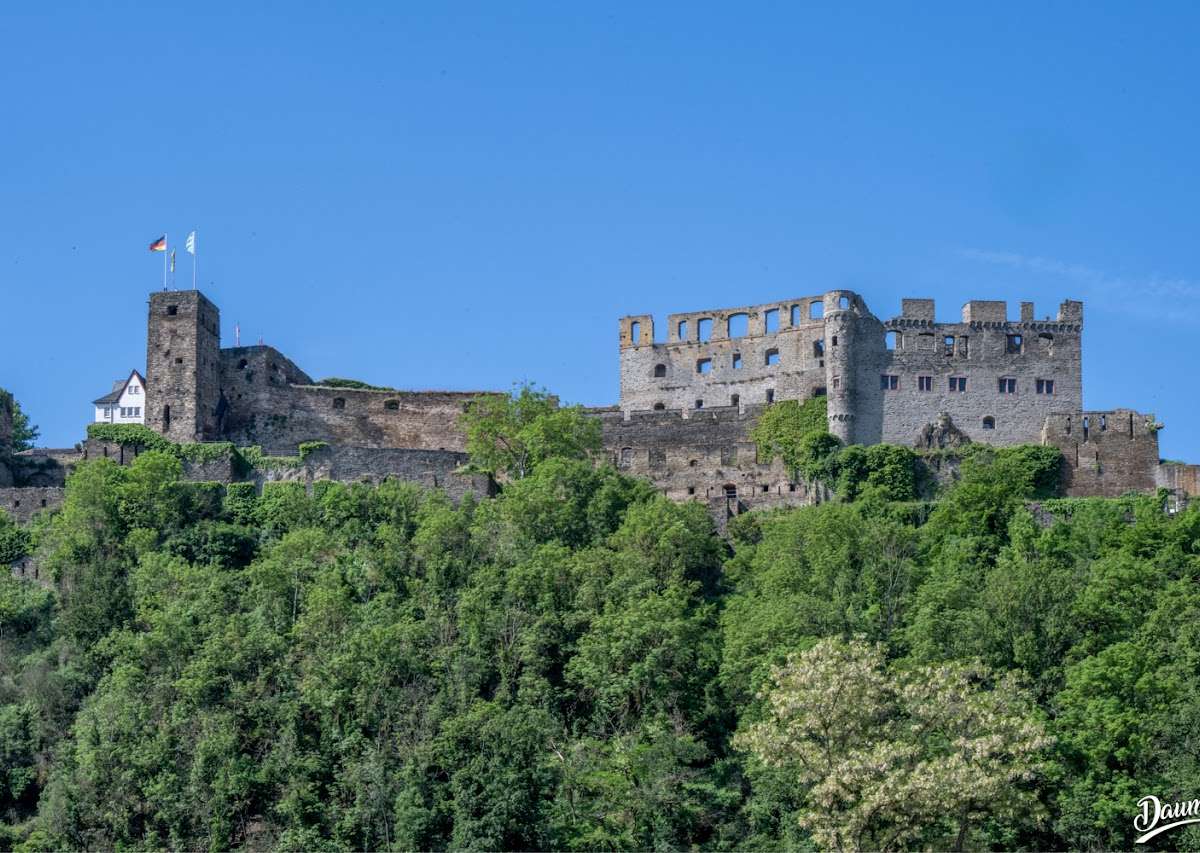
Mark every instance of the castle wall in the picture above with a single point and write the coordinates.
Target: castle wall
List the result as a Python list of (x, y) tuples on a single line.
[(1106, 453), (982, 349), (23, 503), (790, 340), (702, 455)]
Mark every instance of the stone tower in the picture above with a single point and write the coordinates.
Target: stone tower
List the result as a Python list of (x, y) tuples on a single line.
[(183, 343)]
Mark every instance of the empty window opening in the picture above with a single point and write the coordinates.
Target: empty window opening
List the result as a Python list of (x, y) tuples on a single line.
[(948, 344), (339, 402), (791, 487), (772, 357), (844, 302), (1103, 422), (1013, 344), (737, 361), (1045, 386), (166, 418), (818, 349), (734, 400), (691, 490), (737, 325), (771, 320), (704, 365), (892, 340), (958, 384), (392, 405), (816, 310), (691, 463), (635, 332), (43, 501), (682, 330), (889, 382), (704, 327), (660, 407), (833, 342), (626, 457), (924, 383), (699, 404), (964, 346), (989, 422), (172, 310), (795, 315), (1068, 424), (770, 395), (1087, 425), (1131, 426), (730, 490), (837, 382), (660, 370), (242, 364), (179, 360)]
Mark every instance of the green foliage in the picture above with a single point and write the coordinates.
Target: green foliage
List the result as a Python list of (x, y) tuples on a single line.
[(508, 436), (24, 433), (336, 382), (580, 663), (796, 432), (14, 541), (129, 435)]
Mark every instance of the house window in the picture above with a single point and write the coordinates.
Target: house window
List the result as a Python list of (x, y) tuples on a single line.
[(1006, 385), (772, 357), (1013, 344), (108, 411), (889, 382), (924, 383), (1045, 386), (958, 384), (989, 422), (133, 389), (704, 365)]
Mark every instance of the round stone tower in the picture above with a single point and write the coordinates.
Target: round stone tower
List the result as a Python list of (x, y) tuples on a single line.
[(841, 318)]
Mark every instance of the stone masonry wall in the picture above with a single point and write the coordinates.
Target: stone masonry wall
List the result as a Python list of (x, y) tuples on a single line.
[(1106, 453), (183, 340), (23, 503), (981, 350)]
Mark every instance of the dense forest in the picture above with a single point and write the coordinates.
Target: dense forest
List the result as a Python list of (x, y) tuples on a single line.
[(580, 664)]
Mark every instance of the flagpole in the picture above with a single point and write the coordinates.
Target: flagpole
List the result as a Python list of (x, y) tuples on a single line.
[(194, 258), (165, 244)]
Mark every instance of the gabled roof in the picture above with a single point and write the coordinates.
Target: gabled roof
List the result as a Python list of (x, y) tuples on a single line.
[(114, 396)]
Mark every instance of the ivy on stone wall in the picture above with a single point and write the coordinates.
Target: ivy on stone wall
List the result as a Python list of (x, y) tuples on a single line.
[(354, 384), (139, 435)]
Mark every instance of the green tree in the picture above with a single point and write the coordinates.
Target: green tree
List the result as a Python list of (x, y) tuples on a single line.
[(507, 436), (896, 758)]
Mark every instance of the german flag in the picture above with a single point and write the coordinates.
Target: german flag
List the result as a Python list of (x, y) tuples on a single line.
[(159, 245)]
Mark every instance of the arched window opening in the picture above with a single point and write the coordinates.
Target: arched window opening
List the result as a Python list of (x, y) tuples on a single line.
[(844, 302), (989, 422), (682, 330), (771, 320), (795, 315), (635, 333), (816, 310), (704, 327), (659, 407), (660, 370), (737, 325)]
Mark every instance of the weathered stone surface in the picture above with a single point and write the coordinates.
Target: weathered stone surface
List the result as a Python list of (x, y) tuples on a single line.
[(23, 503), (1107, 453)]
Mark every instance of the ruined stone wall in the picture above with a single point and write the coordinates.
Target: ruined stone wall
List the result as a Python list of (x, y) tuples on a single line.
[(1179, 477), (833, 344), (1106, 454), (183, 341), (781, 352), (983, 349), (433, 469), (702, 455), (25, 502)]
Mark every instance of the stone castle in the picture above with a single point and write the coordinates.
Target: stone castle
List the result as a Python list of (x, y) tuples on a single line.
[(687, 404)]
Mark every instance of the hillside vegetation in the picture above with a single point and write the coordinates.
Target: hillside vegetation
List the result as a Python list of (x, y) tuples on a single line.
[(579, 663)]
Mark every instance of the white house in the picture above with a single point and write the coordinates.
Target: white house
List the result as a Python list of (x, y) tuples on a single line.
[(125, 404)]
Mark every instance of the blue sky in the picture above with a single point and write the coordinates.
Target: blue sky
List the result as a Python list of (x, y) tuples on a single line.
[(467, 195)]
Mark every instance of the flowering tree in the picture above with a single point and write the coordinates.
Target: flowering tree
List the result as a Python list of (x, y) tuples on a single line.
[(895, 758)]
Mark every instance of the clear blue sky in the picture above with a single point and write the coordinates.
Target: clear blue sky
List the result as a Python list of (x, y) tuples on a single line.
[(465, 195)]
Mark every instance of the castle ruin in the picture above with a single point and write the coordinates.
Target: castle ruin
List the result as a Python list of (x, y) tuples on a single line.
[(687, 403)]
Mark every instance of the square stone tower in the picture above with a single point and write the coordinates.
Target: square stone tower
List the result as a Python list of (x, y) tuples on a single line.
[(183, 353)]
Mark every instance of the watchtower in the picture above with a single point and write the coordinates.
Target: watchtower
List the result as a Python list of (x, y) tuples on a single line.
[(183, 344)]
